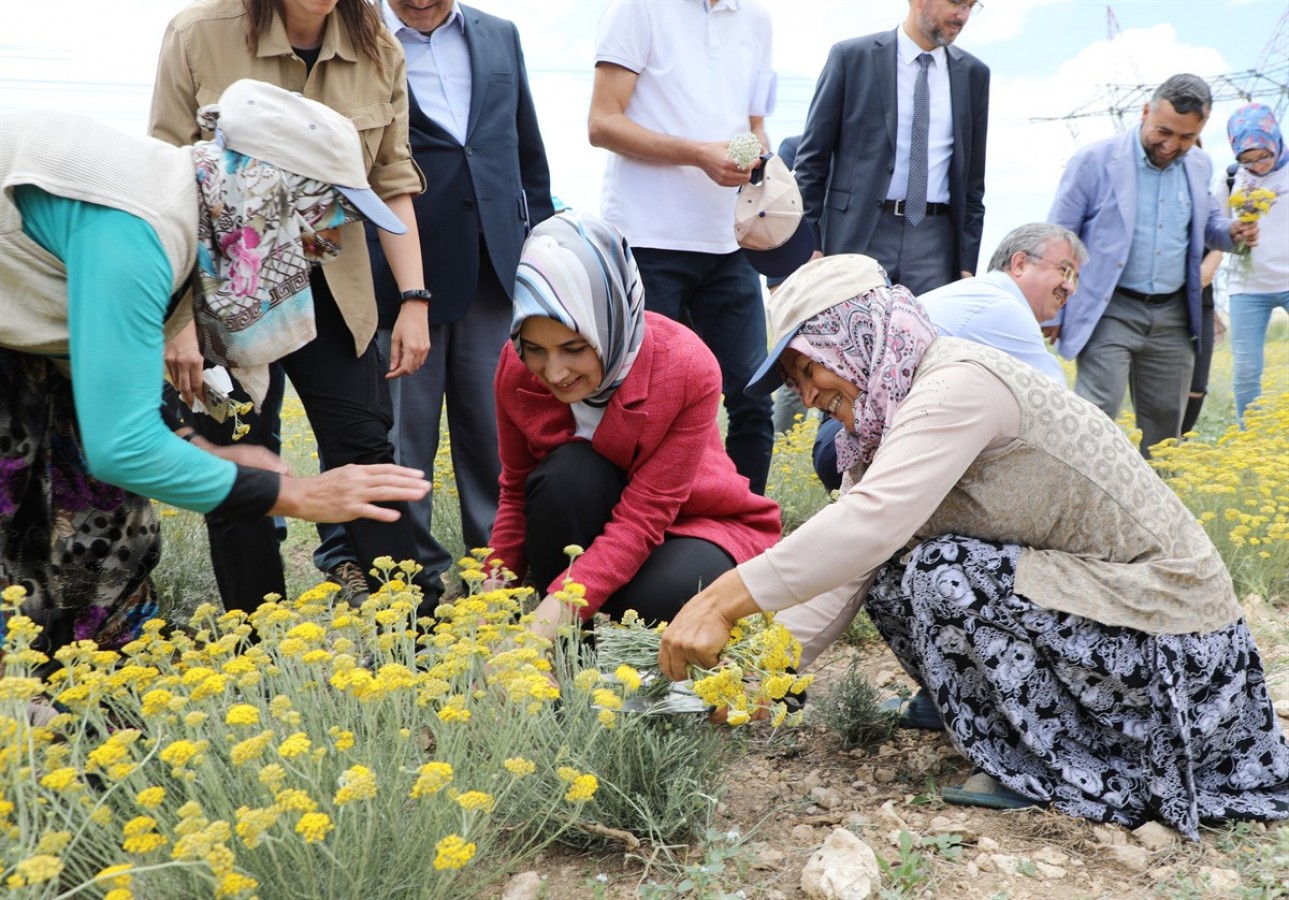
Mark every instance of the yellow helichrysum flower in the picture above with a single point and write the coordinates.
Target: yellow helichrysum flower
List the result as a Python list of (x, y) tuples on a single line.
[(61, 780), (453, 852), (356, 783), (252, 823), (40, 868), (472, 800), (431, 778), (608, 718), (117, 875), (519, 767), (272, 776), (233, 883), (295, 745), (344, 740), (54, 842), (628, 677), (294, 800), (313, 827), (582, 789), (607, 699), (242, 714), (181, 752), (150, 798), (141, 836)]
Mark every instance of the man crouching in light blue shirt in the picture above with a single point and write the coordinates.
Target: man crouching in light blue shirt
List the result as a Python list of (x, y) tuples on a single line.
[(1031, 275)]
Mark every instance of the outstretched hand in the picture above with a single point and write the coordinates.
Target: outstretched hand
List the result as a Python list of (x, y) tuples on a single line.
[(702, 627), (350, 492)]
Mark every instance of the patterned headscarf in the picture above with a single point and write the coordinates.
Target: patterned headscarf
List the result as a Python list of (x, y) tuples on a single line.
[(874, 341), (1253, 127), (256, 243), (578, 270)]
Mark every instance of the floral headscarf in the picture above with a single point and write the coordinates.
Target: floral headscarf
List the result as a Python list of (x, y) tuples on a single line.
[(578, 270), (874, 341), (1253, 127), (256, 244)]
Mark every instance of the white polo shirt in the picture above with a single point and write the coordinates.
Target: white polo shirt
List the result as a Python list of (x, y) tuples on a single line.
[(703, 70)]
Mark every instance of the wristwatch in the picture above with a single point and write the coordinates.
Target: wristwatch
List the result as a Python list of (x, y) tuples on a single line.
[(418, 294)]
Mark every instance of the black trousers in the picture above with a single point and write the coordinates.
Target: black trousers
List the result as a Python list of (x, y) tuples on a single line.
[(347, 401), (569, 499)]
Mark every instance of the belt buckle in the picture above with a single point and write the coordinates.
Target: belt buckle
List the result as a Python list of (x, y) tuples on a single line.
[(899, 208)]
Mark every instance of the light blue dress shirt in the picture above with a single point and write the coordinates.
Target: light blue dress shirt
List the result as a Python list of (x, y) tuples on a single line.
[(991, 310), (438, 69), (1157, 258)]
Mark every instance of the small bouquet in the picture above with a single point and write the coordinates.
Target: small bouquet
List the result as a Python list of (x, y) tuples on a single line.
[(1249, 204), (744, 150), (757, 668)]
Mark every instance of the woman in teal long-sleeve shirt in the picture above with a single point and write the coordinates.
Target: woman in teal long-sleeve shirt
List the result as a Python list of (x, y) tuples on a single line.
[(113, 229)]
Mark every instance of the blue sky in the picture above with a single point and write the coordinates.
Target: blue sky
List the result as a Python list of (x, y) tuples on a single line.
[(1047, 58)]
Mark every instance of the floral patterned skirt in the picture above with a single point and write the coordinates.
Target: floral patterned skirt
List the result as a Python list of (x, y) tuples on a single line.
[(83, 549), (1103, 722)]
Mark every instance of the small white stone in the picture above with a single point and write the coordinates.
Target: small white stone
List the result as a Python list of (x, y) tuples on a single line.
[(988, 844), (803, 834), (1155, 836), (1222, 881), (884, 775), (524, 886), (1049, 871), (844, 868), (1130, 856)]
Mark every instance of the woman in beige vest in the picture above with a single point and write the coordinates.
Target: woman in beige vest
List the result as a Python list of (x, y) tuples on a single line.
[(1074, 626), (100, 233)]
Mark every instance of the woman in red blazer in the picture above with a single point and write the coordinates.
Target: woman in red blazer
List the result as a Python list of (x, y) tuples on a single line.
[(606, 417)]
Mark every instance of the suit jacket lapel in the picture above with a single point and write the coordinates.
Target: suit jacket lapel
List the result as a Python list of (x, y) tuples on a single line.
[(960, 104), (884, 62), (479, 71), (1123, 176), (628, 411)]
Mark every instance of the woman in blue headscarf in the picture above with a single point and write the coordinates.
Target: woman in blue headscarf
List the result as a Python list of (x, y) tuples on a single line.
[(606, 417), (1261, 283)]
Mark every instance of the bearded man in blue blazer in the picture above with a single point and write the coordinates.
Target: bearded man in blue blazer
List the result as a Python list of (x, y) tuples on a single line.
[(474, 133), (892, 160), (1141, 203)]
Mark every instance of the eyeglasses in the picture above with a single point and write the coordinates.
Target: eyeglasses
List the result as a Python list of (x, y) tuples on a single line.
[(973, 7), (1069, 273), (1247, 161)]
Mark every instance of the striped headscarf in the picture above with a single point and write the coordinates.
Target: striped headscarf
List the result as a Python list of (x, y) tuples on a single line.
[(1253, 127), (875, 341), (578, 270)]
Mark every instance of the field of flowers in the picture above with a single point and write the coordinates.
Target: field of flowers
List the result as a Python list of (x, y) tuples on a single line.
[(316, 751)]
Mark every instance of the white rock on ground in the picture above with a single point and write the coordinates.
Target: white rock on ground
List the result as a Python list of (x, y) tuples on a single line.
[(1222, 881), (524, 886), (1155, 836), (1131, 857), (844, 868)]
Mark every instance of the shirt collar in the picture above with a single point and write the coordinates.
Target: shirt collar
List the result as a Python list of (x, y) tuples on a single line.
[(907, 50), (335, 41), (1143, 161), (395, 24), (1004, 280), (731, 5)]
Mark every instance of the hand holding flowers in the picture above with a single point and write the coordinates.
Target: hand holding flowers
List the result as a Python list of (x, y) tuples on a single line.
[(1248, 204)]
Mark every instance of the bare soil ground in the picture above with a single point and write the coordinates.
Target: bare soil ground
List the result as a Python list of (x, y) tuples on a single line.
[(785, 794)]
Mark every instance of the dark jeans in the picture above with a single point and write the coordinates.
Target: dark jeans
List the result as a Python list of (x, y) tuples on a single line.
[(348, 405), (1203, 363), (569, 499), (719, 296)]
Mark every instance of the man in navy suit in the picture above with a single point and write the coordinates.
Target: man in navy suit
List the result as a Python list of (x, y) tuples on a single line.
[(888, 176), (473, 130)]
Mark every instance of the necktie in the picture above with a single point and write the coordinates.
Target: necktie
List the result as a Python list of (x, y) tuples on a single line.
[(915, 196)]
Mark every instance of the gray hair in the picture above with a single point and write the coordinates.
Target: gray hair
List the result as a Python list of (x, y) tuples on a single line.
[(1187, 93), (1032, 240)]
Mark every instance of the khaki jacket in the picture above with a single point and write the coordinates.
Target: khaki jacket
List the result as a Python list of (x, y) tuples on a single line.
[(204, 51)]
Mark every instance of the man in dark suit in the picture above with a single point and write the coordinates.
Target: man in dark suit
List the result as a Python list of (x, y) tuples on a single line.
[(892, 160), (474, 132)]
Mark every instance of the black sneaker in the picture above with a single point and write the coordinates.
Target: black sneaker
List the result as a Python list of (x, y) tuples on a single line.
[(353, 584)]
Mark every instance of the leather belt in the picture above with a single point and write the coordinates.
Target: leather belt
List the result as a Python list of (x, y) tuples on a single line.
[(1148, 298), (932, 209)]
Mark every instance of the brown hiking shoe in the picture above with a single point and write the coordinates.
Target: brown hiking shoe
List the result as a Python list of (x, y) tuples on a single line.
[(353, 584)]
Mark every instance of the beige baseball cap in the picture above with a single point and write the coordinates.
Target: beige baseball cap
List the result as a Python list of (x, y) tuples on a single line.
[(769, 223), (302, 136), (818, 285)]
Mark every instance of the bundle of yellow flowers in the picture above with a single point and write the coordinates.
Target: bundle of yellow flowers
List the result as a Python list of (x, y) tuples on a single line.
[(757, 669), (305, 750), (1248, 204)]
